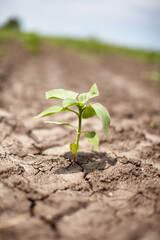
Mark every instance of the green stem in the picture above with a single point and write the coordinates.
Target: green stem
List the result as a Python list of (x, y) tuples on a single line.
[(79, 132), (73, 111)]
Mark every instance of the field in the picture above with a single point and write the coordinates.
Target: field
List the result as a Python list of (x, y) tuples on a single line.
[(112, 193)]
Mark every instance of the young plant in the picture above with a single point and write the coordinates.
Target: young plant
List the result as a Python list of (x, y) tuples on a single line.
[(84, 112)]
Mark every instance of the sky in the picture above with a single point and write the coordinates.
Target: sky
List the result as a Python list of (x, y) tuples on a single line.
[(133, 23)]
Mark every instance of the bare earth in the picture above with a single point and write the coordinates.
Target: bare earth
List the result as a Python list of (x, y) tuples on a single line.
[(113, 193)]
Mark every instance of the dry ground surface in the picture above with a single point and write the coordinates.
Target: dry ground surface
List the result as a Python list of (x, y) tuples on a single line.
[(113, 193)]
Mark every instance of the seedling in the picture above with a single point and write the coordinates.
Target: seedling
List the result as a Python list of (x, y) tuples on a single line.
[(84, 112)]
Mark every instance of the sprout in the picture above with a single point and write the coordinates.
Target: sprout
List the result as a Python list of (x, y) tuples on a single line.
[(84, 111)]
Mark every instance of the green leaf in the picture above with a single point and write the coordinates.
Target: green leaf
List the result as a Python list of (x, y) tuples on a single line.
[(50, 111), (88, 112), (61, 123), (93, 139), (70, 102), (83, 98), (74, 148), (93, 92), (61, 94), (103, 114)]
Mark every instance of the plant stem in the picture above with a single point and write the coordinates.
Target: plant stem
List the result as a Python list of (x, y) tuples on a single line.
[(78, 133), (73, 111)]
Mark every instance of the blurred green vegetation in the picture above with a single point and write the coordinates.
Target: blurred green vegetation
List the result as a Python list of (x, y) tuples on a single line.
[(33, 43), (154, 76), (155, 122), (12, 23), (94, 46)]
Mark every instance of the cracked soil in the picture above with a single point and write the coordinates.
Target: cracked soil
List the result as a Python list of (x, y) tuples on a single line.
[(113, 193)]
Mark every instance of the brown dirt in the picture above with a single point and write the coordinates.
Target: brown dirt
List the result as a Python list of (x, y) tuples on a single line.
[(113, 193)]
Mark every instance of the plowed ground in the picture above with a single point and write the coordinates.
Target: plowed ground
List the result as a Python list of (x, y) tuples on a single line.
[(113, 193)]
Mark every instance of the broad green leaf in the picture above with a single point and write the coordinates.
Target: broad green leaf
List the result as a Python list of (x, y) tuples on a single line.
[(88, 112), (61, 94), (93, 139), (61, 123), (93, 92), (103, 114), (73, 148), (50, 111), (70, 102)]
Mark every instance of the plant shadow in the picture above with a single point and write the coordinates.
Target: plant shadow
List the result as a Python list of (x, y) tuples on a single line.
[(87, 162)]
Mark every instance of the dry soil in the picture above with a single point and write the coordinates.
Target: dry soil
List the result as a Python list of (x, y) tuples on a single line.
[(113, 193)]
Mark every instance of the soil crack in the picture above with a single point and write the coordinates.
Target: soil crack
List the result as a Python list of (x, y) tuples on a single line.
[(53, 222)]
